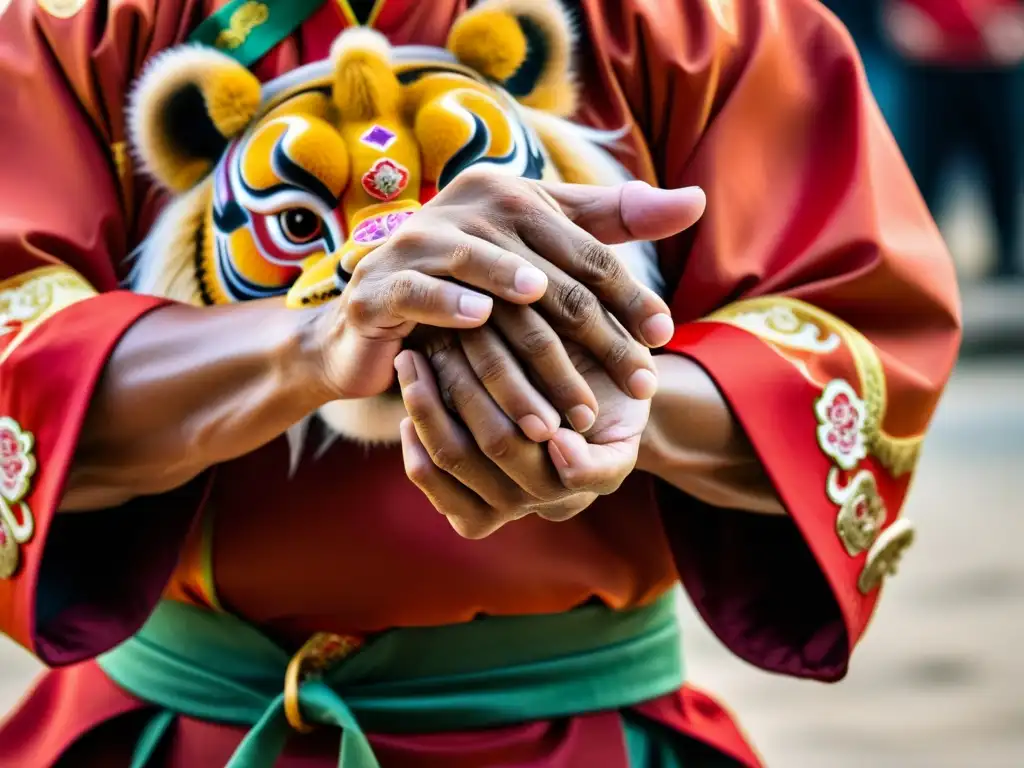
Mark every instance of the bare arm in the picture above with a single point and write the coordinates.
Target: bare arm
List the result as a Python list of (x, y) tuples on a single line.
[(693, 442), (189, 387)]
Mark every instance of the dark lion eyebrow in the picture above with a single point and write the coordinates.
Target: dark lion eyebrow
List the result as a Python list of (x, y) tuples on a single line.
[(292, 175)]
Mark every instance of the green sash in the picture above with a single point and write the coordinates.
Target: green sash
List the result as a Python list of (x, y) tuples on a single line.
[(489, 672), (247, 30)]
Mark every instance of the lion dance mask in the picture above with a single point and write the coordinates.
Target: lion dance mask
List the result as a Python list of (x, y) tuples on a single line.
[(280, 189)]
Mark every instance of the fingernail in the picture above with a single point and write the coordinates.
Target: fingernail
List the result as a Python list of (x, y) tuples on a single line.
[(534, 428), (642, 384), (405, 368), (530, 280), (556, 456), (474, 306), (581, 417), (657, 330)]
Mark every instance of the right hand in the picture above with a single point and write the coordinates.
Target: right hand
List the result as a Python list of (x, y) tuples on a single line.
[(525, 243)]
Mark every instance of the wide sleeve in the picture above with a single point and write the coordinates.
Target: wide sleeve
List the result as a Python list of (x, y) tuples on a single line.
[(816, 292), (71, 585)]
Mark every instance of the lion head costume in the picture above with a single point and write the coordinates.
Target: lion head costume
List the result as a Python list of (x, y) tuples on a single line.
[(280, 189)]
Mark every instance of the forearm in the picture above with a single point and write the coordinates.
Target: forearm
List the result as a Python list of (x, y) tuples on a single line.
[(187, 388), (693, 442)]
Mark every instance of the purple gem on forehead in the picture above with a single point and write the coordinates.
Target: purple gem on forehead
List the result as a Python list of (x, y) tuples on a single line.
[(378, 136)]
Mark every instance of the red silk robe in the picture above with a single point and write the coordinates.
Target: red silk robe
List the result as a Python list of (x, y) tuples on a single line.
[(816, 292)]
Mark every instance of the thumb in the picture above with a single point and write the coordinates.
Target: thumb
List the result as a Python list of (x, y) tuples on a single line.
[(631, 211)]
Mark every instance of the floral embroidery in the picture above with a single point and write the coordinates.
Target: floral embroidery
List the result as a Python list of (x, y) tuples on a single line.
[(16, 461), (385, 180), (17, 465), (841, 416)]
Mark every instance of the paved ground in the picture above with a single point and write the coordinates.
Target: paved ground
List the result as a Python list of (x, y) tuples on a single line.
[(939, 679)]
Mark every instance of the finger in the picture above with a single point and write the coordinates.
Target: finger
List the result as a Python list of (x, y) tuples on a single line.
[(561, 511), (577, 315), (535, 342), (467, 512), (502, 376), (629, 212), (589, 263), (408, 297), (444, 250), (519, 459), (450, 448), (583, 466)]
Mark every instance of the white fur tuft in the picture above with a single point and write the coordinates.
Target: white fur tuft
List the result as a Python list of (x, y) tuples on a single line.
[(164, 263), (370, 420), (162, 73), (361, 38)]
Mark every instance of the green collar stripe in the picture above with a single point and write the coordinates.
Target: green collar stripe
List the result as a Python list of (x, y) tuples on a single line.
[(246, 30)]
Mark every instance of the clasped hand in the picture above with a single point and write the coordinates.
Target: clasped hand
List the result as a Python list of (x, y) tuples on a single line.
[(541, 320)]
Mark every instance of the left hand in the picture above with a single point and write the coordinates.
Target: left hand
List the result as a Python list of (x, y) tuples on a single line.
[(483, 472)]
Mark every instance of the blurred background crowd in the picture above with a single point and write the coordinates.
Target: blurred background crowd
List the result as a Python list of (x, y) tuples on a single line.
[(949, 77), (937, 682)]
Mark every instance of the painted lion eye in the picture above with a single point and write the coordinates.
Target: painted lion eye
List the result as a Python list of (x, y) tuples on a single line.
[(300, 225)]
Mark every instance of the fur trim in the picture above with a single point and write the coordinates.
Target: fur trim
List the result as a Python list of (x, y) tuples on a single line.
[(370, 420), (231, 96), (164, 264)]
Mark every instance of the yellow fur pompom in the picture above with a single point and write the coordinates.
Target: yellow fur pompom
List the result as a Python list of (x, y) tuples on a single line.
[(491, 42), (365, 87), (232, 97)]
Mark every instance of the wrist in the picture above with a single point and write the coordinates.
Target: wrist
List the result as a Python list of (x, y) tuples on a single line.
[(298, 356)]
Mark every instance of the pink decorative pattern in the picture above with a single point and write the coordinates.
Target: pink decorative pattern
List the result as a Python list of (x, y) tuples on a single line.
[(377, 229), (16, 461), (841, 416)]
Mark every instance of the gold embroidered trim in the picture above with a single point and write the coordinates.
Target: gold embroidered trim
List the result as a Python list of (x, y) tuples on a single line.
[(862, 512), (798, 325), (241, 24), (29, 299), (62, 9)]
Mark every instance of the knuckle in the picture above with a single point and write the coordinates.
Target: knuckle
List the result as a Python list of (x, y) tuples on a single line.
[(497, 443), (403, 292), (597, 263), (537, 342), (460, 259), (577, 307), (411, 238), (459, 397), (450, 458), (420, 473), (618, 353), (490, 368), (361, 304), (470, 526)]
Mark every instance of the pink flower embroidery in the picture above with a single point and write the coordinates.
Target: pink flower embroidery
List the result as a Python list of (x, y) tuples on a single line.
[(16, 461), (841, 416)]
